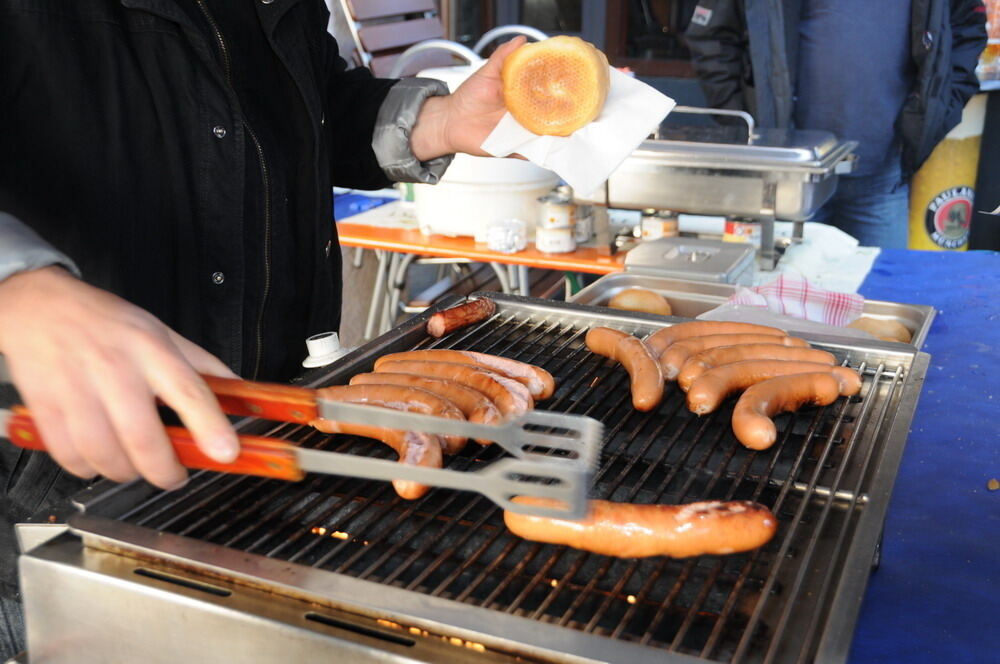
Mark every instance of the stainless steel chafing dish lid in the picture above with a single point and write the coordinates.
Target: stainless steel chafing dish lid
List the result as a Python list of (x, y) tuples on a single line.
[(814, 152), (695, 259)]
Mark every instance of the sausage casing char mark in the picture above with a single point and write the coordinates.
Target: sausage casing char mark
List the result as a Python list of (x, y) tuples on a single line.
[(639, 362), (474, 405), (510, 396), (449, 320), (627, 530), (661, 339), (674, 357), (709, 390), (413, 448), (718, 356), (752, 423), (397, 397), (539, 382)]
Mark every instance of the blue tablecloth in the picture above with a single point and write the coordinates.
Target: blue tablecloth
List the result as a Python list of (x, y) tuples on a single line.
[(936, 596)]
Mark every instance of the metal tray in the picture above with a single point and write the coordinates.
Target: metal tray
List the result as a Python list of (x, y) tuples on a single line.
[(688, 299)]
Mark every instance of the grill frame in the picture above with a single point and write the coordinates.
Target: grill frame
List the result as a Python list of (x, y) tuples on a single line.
[(99, 527)]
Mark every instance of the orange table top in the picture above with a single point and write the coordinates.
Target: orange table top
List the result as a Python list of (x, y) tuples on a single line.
[(584, 259)]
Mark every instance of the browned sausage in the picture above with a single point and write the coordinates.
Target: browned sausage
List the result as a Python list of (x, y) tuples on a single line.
[(474, 405), (642, 367), (707, 359), (410, 399), (538, 381), (712, 387), (449, 320), (674, 357), (414, 449), (510, 396), (659, 340), (627, 530), (752, 422)]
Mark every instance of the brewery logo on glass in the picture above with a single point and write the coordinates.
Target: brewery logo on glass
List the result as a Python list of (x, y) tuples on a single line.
[(948, 217)]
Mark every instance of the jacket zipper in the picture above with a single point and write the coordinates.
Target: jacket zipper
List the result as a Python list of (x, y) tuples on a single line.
[(265, 177)]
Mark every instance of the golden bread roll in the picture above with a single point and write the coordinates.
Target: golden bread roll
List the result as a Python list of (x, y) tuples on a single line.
[(886, 330), (640, 299), (556, 86)]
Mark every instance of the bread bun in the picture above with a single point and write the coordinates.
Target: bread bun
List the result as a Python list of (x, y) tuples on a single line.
[(884, 329), (640, 299), (556, 86)]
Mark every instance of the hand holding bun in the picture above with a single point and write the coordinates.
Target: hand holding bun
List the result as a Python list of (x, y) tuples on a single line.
[(556, 86)]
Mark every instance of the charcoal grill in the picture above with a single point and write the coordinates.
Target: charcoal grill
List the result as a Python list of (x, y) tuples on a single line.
[(253, 570)]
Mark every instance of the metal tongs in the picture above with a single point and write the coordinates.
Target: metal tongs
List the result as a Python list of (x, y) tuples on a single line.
[(552, 454)]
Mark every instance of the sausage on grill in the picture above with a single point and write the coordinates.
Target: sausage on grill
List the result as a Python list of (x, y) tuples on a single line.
[(674, 357), (449, 320), (409, 399), (510, 396), (701, 362), (539, 382), (712, 387), (628, 530), (661, 339), (752, 421), (474, 405), (639, 362)]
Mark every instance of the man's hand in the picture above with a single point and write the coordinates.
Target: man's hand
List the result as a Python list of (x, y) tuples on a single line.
[(460, 122), (89, 366)]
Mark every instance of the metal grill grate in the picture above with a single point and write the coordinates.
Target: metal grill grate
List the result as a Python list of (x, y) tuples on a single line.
[(754, 607)]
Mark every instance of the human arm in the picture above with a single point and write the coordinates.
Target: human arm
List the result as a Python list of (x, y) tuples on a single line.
[(719, 49), (89, 365)]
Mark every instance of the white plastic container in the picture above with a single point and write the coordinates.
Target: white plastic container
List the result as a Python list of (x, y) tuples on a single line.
[(555, 240), (478, 190)]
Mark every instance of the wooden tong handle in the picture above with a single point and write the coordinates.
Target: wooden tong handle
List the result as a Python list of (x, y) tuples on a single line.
[(265, 457), (268, 401)]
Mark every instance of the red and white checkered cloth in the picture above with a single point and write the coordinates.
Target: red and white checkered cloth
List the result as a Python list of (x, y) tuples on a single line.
[(794, 296)]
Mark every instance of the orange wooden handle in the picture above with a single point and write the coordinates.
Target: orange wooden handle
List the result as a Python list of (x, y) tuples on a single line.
[(265, 457), (269, 401)]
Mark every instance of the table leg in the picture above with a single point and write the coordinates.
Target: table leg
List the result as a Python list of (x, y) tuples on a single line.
[(397, 284), (377, 292), (501, 272), (522, 280), (386, 321)]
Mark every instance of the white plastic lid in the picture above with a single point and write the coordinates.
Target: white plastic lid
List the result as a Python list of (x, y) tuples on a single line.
[(323, 349)]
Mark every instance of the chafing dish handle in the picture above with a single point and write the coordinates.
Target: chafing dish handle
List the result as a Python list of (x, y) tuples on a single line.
[(697, 110), (264, 457)]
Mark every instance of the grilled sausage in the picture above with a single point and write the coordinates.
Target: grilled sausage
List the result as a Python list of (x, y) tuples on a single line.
[(449, 320), (414, 449), (639, 362), (474, 405), (712, 387), (627, 530), (674, 357), (752, 421), (710, 358), (409, 399), (661, 339), (539, 382), (510, 396)]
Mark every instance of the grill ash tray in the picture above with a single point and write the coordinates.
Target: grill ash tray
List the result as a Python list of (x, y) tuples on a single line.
[(447, 560)]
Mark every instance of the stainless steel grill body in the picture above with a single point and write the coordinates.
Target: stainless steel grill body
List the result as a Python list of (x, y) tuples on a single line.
[(444, 567)]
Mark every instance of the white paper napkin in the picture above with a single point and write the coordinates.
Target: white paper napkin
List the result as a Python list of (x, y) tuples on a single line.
[(587, 157)]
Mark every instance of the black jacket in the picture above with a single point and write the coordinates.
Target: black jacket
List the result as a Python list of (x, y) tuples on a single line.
[(123, 145), (744, 52)]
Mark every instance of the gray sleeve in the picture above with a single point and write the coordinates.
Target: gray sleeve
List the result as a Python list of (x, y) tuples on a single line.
[(21, 249), (391, 140)]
